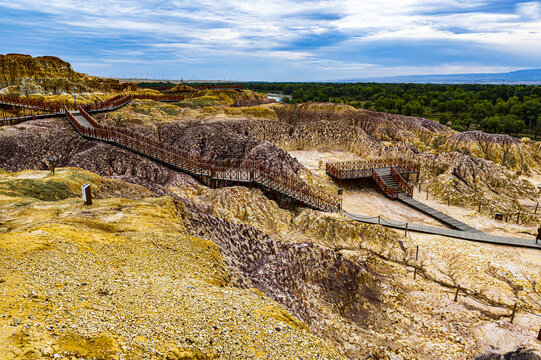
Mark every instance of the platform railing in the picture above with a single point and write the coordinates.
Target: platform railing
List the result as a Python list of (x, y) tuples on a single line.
[(362, 168)]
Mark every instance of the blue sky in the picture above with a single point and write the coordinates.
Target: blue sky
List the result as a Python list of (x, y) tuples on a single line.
[(277, 40)]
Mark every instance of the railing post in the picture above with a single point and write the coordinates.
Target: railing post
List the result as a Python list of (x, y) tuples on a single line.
[(514, 312)]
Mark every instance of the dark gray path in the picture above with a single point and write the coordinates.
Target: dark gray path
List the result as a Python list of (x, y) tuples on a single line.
[(471, 236), (443, 218)]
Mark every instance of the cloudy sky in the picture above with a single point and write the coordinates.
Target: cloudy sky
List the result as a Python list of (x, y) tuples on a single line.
[(276, 40)]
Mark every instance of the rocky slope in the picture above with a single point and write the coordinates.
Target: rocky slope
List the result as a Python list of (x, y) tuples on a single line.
[(43, 74), (124, 279)]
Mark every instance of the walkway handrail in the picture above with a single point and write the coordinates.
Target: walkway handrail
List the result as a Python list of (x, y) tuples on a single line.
[(389, 191), (217, 87), (337, 167), (47, 106), (408, 189), (157, 97), (239, 170), (55, 107)]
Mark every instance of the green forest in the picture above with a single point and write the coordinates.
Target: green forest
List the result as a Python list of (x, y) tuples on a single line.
[(510, 109)]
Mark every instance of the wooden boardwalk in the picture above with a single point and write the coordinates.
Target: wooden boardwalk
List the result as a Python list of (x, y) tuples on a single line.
[(457, 234), (285, 188)]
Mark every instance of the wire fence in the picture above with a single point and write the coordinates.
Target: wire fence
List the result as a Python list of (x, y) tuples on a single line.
[(460, 291)]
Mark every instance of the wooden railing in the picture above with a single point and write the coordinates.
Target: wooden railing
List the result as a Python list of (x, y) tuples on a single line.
[(408, 189), (47, 106), (211, 171), (158, 97), (363, 168), (40, 108), (387, 190), (218, 87)]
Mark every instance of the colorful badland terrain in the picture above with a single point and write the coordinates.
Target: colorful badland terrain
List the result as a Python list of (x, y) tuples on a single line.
[(163, 267)]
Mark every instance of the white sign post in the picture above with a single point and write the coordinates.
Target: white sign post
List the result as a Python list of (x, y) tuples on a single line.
[(87, 195)]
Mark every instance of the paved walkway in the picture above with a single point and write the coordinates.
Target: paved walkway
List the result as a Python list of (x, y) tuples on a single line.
[(458, 234), (443, 218)]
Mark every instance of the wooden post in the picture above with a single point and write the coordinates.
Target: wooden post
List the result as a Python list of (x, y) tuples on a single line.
[(518, 217), (513, 314), (379, 219), (427, 194), (419, 187), (536, 206), (87, 194), (456, 294), (417, 253), (406, 230), (415, 273), (479, 207)]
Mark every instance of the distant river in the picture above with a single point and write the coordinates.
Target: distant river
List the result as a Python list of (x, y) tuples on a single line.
[(277, 97)]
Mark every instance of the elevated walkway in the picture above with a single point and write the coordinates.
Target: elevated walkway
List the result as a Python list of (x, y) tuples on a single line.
[(214, 173)]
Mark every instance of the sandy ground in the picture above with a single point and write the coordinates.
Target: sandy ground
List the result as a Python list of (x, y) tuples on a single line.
[(370, 202)]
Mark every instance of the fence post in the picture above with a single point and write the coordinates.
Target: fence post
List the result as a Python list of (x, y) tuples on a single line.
[(427, 194), (415, 273), (406, 230), (536, 206), (518, 217), (379, 219), (417, 253), (456, 294), (479, 207), (513, 314)]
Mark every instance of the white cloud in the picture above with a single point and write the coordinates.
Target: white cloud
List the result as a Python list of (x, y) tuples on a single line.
[(529, 10), (283, 29)]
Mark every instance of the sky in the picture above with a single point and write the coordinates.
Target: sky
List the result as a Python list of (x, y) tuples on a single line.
[(276, 40)]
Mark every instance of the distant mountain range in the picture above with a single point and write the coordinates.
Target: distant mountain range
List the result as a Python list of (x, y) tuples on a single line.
[(529, 77)]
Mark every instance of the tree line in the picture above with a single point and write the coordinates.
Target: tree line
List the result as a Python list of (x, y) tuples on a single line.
[(510, 109)]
